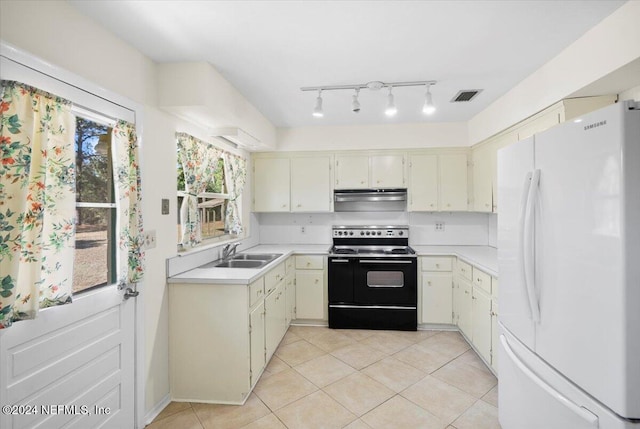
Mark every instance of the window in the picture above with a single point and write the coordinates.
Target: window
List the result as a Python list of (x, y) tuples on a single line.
[(95, 207), (212, 203)]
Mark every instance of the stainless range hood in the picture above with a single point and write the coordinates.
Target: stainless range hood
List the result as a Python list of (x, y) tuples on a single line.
[(370, 200)]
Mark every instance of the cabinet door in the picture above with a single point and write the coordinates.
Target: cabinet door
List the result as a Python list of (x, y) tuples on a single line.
[(311, 184), (462, 306), (271, 185), (290, 298), (423, 190), (453, 182), (387, 171), (352, 172), (481, 323), (310, 299), (437, 298), (274, 319), (494, 335), (256, 320), (482, 179)]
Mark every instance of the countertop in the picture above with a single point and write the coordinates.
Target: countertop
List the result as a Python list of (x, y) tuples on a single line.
[(244, 276), (484, 257)]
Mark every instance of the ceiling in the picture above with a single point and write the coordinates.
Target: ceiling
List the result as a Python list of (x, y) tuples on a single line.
[(270, 49)]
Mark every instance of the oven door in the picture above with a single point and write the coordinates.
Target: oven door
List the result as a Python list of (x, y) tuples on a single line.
[(386, 281)]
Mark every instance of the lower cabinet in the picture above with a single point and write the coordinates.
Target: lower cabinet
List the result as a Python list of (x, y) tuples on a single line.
[(311, 294), (494, 335), (462, 306), (275, 319), (436, 286), (257, 342), (221, 336), (481, 322)]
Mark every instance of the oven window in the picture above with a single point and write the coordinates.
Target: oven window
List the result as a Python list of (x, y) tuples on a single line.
[(385, 279)]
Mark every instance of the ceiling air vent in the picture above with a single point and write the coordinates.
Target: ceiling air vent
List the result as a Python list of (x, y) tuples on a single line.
[(465, 95)]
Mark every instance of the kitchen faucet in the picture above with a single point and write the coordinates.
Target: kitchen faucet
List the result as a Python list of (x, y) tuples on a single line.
[(229, 249)]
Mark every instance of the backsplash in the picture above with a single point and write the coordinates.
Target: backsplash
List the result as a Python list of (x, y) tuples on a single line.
[(459, 228), (493, 230)]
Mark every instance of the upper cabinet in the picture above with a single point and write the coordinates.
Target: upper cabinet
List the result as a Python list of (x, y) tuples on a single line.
[(387, 171), (438, 182), (375, 171), (352, 172), (311, 184), (271, 184), (484, 155)]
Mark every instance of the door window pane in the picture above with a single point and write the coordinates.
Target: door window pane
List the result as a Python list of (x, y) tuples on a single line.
[(94, 252)]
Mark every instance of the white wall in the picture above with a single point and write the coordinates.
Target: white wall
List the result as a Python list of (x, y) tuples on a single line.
[(387, 136), (57, 33), (460, 228), (607, 47)]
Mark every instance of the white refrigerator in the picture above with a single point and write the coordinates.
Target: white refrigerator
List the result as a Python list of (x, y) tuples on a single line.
[(569, 266)]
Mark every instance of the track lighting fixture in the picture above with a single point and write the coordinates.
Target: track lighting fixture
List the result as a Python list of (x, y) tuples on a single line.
[(390, 109), (428, 107), (317, 111), (355, 104)]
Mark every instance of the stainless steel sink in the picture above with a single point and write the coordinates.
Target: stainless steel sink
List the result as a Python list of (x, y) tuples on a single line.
[(234, 263), (256, 256)]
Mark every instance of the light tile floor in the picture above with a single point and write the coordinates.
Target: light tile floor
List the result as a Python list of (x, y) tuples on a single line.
[(358, 379)]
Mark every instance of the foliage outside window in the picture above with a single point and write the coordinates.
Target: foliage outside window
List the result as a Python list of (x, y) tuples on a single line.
[(95, 206)]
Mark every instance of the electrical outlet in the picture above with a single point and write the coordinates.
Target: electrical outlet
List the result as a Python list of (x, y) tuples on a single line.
[(165, 206), (302, 230), (149, 239), (439, 226)]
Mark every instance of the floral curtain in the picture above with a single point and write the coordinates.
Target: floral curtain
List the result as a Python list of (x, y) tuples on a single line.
[(37, 201), (199, 162), (235, 172), (130, 264)]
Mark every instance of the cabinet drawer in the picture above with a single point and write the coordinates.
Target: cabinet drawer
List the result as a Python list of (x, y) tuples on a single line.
[(272, 278), (494, 287), (256, 291), (288, 265), (433, 263), (482, 280), (309, 262), (463, 270)]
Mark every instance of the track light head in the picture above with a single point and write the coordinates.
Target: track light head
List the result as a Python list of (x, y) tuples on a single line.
[(355, 104), (317, 110), (428, 107), (391, 109)]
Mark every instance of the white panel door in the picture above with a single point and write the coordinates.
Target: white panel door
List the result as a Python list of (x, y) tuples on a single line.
[(271, 185), (453, 182), (588, 293), (352, 172), (387, 171), (78, 355), (423, 174), (515, 163), (311, 184)]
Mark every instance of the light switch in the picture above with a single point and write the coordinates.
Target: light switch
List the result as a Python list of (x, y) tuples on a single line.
[(165, 206)]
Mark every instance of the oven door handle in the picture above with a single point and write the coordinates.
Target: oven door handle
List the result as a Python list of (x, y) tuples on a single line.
[(338, 260), (387, 286), (368, 261)]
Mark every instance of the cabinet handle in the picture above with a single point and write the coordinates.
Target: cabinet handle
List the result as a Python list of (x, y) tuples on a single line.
[(448, 205), (299, 205), (284, 205), (479, 280), (362, 182), (429, 282), (308, 264), (466, 292), (437, 265), (431, 205), (316, 280), (259, 291)]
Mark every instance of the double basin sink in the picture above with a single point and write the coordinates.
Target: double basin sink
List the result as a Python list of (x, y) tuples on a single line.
[(244, 260)]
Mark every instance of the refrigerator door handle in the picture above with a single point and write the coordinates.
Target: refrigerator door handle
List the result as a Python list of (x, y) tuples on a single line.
[(521, 218), (528, 246), (582, 412)]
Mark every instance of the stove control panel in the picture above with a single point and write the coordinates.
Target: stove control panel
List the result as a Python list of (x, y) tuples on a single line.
[(378, 232)]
